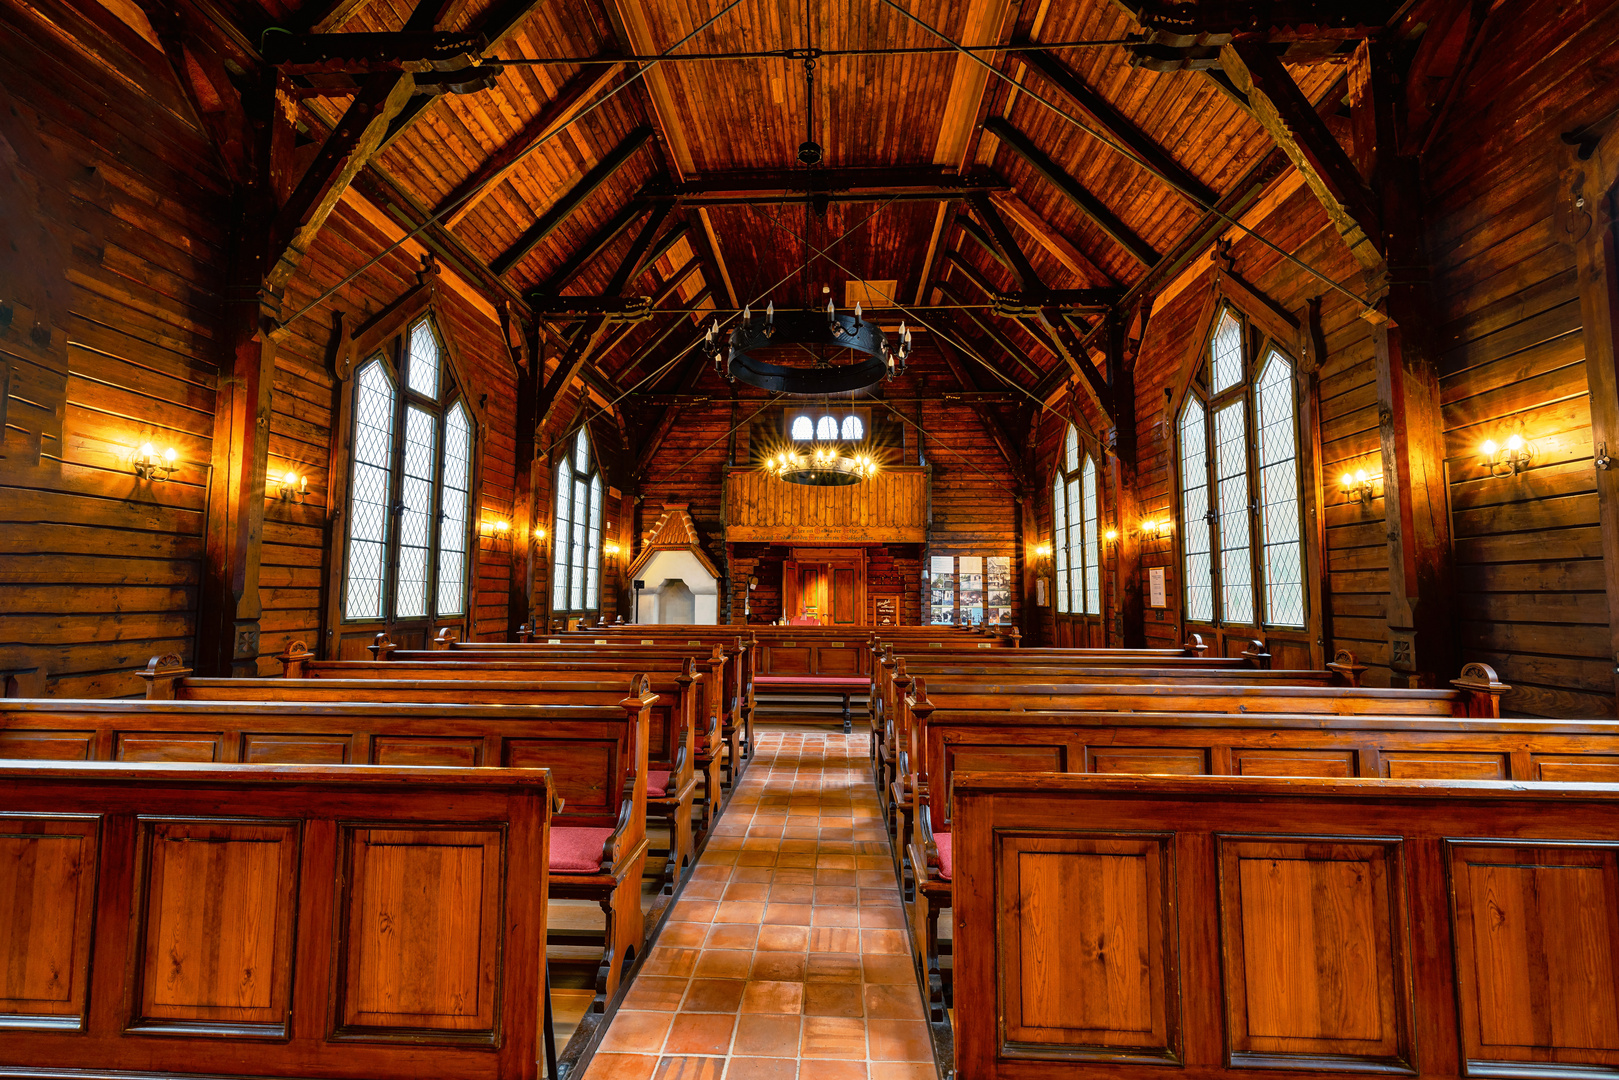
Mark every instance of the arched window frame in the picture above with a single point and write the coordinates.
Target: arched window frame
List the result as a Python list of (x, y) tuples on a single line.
[(1076, 497), (822, 423), (393, 492), (576, 531), (1240, 469)]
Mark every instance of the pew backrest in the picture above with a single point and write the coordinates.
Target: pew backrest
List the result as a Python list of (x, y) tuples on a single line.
[(400, 912)]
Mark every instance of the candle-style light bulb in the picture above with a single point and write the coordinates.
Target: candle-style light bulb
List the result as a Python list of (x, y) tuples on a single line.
[(1515, 442), (831, 310), (147, 450), (1360, 476), (770, 312), (1489, 448), (1345, 481), (857, 311), (169, 455), (747, 313)]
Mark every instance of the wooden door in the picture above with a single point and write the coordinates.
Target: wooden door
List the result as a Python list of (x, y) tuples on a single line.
[(833, 589)]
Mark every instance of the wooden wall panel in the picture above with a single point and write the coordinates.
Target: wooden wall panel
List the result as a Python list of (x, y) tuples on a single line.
[(48, 867), (100, 570), (1531, 599)]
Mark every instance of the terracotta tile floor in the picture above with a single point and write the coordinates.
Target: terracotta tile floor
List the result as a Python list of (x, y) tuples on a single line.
[(787, 945)]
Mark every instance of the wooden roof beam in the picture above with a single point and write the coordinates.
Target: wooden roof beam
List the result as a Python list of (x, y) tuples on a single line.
[(999, 339), (1075, 192), (557, 113), (342, 156), (587, 252), (1012, 255), (564, 207), (679, 232), (758, 187), (1299, 132), (663, 335), (589, 334), (1104, 115), (669, 289), (497, 24), (1057, 245)]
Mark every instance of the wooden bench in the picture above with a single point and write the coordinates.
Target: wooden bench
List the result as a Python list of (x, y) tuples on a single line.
[(167, 920), (596, 755), (1232, 927), (723, 661), (671, 781), (705, 702), (843, 686)]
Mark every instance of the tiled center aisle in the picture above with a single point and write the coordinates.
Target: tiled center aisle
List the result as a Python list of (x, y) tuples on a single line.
[(787, 947)]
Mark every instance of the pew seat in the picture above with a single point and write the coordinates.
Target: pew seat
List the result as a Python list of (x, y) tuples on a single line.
[(840, 685)]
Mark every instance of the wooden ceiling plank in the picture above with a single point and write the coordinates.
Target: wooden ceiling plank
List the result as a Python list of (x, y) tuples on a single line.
[(1023, 271), (999, 339), (663, 335), (713, 243), (564, 207), (993, 427), (680, 232), (324, 16), (636, 35), (587, 252), (1075, 192), (985, 21), (1299, 132), (578, 92), (1109, 119), (939, 219)]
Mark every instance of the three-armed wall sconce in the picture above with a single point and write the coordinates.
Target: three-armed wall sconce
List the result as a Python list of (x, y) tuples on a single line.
[(149, 466), (292, 488), (1159, 529), (498, 528), (1042, 559), (1358, 485), (610, 549), (1508, 460)]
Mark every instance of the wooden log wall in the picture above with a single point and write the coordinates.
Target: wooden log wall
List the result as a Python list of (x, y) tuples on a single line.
[(113, 188), (1529, 570)]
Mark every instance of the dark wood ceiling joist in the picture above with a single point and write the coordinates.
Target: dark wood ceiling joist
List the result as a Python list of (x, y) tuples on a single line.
[(835, 185), (1102, 113), (681, 319), (564, 207), (602, 239), (561, 110), (1071, 189)]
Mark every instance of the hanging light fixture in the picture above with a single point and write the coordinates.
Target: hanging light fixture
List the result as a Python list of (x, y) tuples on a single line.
[(821, 332), (823, 465)]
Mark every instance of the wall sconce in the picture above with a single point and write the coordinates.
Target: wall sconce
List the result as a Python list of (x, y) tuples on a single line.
[(496, 527), (1156, 529), (293, 488), (1042, 558), (1358, 485), (610, 549), (539, 533), (1111, 536), (1508, 460), (149, 466)]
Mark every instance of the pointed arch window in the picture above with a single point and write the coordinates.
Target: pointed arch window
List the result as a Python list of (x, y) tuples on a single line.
[(410, 486), (577, 531), (1076, 541), (1242, 556)]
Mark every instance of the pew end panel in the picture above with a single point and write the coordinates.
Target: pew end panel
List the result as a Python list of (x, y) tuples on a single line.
[(269, 920), (1417, 928)]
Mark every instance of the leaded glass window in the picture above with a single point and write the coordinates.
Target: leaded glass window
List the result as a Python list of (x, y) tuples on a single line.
[(577, 532), (1075, 531), (853, 429), (1242, 536), (410, 484), (803, 428), (826, 428)]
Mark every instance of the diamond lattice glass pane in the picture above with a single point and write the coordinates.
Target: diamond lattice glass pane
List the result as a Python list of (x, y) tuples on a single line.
[(1279, 499), (1076, 565), (1071, 449), (576, 557), (416, 496), (593, 545), (1093, 547), (803, 428), (561, 534), (1059, 541), (826, 428), (942, 590), (1231, 492), (853, 428), (424, 360), (1195, 538), (1225, 350), (368, 494), (453, 504), (581, 452)]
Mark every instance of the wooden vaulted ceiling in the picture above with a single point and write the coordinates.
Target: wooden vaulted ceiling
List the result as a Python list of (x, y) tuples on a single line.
[(547, 225)]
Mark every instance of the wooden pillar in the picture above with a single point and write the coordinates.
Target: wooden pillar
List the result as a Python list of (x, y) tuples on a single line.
[(1593, 215), (1129, 628), (526, 512), (1028, 538), (228, 620)]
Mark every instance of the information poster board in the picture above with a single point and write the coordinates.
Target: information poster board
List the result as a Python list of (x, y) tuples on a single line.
[(1156, 594)]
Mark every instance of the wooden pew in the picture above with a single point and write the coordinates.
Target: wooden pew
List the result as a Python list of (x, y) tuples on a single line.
[(1230, 927), (671, 781), (597, 758), (723, 660), (164, 920), (704, 701)]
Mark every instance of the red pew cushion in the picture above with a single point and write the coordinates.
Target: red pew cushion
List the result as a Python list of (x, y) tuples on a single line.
[(657, 781), (577, 850), (947, 862)]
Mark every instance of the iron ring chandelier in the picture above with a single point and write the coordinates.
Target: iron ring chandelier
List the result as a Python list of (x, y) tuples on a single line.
[(732, 359)]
